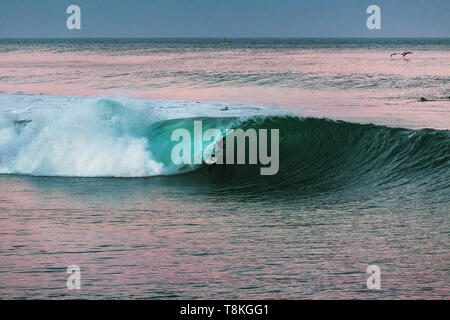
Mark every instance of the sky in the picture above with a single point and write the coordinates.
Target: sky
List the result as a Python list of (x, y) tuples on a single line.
[(224, 18)]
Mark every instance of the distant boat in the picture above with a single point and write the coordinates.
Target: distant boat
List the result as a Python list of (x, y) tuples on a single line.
[(225, 41)]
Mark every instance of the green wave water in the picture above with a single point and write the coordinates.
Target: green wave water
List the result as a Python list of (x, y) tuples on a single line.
[(324, 154)]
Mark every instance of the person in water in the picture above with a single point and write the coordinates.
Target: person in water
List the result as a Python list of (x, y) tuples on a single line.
[(422, 99)]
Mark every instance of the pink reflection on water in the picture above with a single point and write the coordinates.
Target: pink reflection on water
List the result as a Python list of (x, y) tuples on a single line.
[(356, 85)]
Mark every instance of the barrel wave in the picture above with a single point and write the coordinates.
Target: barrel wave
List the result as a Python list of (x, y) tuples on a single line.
[(110, 138)]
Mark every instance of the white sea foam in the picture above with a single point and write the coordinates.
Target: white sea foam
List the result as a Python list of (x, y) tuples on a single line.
[(76, 141)]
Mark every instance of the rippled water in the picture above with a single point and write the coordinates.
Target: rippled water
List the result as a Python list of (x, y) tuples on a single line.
[(348, 194), (155, 238)]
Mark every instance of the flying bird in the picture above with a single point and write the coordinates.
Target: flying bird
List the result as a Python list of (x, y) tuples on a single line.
[(404, 53)]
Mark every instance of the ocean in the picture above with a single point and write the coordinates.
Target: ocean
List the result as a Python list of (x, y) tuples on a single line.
[(86, 176)]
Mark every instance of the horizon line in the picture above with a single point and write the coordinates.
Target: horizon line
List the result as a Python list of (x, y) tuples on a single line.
[(238, 37)]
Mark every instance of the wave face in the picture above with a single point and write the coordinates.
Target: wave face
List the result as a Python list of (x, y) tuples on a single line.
[(329, 155), (107, 137)]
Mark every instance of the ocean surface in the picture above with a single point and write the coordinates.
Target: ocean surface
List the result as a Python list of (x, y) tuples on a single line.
[(86, 176)]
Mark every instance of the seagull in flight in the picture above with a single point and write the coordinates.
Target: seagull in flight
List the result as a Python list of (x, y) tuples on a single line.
[(404, 53)]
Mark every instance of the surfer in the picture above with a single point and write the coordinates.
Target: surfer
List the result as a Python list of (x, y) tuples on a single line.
[(422, 99), (214, 151), (224, 108)]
